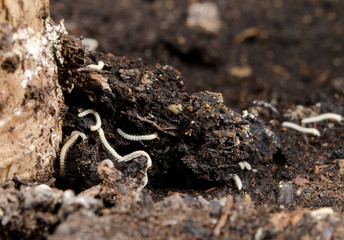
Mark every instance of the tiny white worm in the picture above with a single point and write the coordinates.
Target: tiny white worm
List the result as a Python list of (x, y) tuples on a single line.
[(137, 137), (99, 66), (244, 164), (238, 181), (301, 129), (247, 165), (74, 135), (107, 163), (322, 117), (96, 115)]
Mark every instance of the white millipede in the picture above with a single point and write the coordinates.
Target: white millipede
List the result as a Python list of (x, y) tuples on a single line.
[(108, 146), (111, 150), (137, 137), (106, 163), (99, 66), (127, 157), (73, 137), (96, 115)]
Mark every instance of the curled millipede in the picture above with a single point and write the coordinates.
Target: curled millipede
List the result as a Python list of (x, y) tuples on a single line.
[(107, 163), (73, 137), (96, 115), (127, 157)]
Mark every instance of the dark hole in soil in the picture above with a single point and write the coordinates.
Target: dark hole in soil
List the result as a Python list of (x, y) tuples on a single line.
[(10, 64), (193, 57), (81, 174), (178, 177), (279, 158)]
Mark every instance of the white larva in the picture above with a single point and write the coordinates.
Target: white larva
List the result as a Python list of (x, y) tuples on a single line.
[(99, 66), (106, 163), (244, 164), (241, 165), (301, 129), (238, 181), (247, 165), (322, 117)]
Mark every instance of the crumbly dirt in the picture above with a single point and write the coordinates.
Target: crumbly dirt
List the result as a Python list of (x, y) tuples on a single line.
[(199, 138), (279, 60), (293, 49)]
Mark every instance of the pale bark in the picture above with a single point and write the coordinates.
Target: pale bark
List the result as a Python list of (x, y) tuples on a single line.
[(30, 97)]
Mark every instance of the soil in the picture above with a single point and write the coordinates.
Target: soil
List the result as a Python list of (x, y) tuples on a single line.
[(279, 60)]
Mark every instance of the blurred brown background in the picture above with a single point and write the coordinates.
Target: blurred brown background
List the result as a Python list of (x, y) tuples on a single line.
[(283, 52)]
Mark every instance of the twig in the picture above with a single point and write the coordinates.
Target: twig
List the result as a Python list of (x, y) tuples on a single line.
[(223, 219), (157, 126), (210, 189), (21, 182)]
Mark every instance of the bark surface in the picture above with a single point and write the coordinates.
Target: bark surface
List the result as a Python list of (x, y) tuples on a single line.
[(30, 98)]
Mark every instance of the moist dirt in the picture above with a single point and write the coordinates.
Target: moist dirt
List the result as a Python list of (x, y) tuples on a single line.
[(279, 60)]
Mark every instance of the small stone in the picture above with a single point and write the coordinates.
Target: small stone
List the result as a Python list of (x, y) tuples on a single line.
[(286, 192), (241, 72), (301, 181), (204, 16), (175, 108), (341, 166)]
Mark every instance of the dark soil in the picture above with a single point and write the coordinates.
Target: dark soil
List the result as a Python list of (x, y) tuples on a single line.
[(280, 60), (295, 49), (296, 57)]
